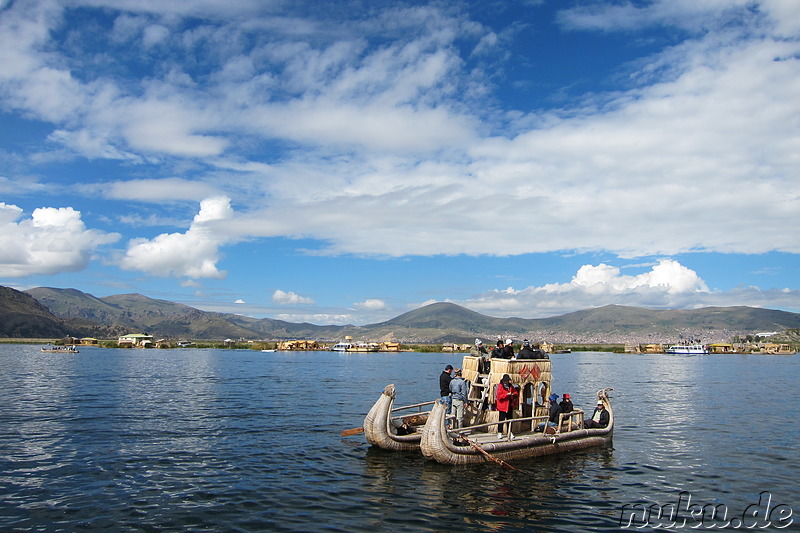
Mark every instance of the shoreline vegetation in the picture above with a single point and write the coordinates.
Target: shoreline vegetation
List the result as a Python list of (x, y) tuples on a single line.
[(274, 346)]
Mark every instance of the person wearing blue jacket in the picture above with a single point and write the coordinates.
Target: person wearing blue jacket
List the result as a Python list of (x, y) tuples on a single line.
[(459, 393)]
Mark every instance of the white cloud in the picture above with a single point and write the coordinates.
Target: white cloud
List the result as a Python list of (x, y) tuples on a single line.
[(239, 301), (290, 298), (371, 304), (153, 190), (667, 284), (699, 154), (317, 318), (194, 253), (53, 240)]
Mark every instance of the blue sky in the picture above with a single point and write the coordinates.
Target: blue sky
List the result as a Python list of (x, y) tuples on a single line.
[(346, 162)]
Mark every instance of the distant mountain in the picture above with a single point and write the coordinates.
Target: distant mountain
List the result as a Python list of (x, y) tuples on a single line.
[(21, 316), (111, 316)]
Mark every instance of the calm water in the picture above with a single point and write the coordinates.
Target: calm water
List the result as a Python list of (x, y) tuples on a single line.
[(234, 440)]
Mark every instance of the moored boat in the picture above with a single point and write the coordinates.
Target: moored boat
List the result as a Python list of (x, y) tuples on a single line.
[(687, 349), (470, 446), (397, 429), (349, 346), (341, 347)]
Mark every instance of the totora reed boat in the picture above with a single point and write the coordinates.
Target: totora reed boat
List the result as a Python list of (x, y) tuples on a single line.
[(470, 446), (386, 429), (480, 439)]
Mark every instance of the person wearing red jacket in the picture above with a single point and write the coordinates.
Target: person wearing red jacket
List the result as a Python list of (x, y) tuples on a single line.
[(507, 399)]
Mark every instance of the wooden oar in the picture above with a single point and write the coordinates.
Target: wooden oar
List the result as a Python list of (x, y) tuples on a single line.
[(353, 431), (490, 456)]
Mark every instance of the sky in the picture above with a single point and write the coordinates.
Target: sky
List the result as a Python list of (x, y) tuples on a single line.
[(345, 162)]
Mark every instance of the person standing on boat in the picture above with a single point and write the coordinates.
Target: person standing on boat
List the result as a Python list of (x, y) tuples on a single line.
[(507, 398), (555, 410), (600, 417), (480, 352), (459, 392), (539, 353), (508, 350), (497, 351), (444, 386), (526, 352)]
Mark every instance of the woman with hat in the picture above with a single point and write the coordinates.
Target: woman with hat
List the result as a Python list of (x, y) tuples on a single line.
[(566, 404), (599, 418), (507, 398)]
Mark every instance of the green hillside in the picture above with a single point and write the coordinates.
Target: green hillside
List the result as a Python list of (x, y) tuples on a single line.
[(110, 316)]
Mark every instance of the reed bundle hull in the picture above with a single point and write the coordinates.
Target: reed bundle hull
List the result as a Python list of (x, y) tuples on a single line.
[(437, 442), (381, 428)]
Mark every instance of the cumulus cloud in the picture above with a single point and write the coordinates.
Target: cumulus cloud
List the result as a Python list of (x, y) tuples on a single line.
[(53, 240), (667, 284), (321, 123), (316, 318), (193, 254), (371, 304), (290, 298)]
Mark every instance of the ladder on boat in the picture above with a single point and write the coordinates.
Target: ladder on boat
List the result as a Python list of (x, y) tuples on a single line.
[(479, 391)]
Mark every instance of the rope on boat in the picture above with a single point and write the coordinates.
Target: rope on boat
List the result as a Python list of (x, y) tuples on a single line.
[(490, 456)]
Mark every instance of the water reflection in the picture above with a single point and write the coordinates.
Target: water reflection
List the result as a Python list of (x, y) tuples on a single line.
[(546, 492), (235, 440)]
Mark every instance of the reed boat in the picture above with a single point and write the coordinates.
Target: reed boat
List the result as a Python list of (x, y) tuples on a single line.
[(472, 444), (395, 428)]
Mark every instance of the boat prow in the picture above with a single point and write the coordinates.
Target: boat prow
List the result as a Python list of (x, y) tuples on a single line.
[(397, 433), (438, 443)]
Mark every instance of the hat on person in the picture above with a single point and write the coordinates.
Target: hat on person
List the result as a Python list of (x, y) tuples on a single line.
[(506, 378), (554, 397), (478, 342), (600, 403), (566, 396), (509, 341), (526, 343), (449, 367)]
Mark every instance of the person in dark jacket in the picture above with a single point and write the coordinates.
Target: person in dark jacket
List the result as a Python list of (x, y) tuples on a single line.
[(555, 410), (444, 386), (526, 352), (539, 353), (508, 350), (497, 351), (600, 417), (566, 404)]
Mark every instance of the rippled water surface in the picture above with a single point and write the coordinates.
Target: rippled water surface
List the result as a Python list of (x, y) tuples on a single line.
[(237, 440)]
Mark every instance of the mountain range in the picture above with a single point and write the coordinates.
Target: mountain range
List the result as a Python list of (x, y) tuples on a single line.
[(51, 313)]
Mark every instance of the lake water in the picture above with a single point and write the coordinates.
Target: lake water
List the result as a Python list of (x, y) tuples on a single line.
[(236, 440)]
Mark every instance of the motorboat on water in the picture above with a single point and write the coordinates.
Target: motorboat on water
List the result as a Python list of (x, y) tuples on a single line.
[(687, 349), (60, 349), (341, 347), (347, 346)]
